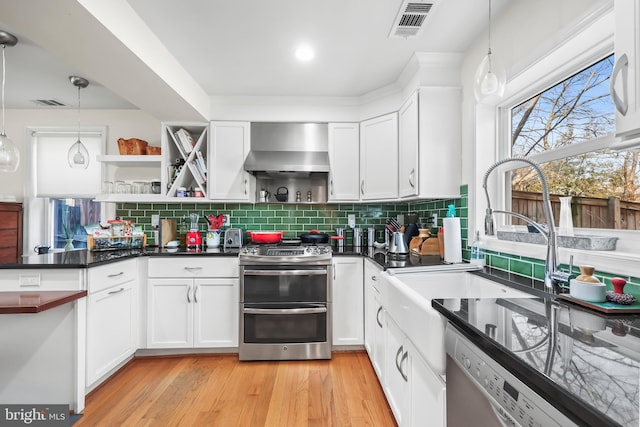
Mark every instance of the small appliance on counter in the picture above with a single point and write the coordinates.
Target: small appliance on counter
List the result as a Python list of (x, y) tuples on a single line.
[(194, 238), (232, 238)]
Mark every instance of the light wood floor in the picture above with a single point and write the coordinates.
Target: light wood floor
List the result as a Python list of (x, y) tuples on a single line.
[(218, 390)]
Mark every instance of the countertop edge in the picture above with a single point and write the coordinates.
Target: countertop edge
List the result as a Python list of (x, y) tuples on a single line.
[(53, 299), (542, 385)]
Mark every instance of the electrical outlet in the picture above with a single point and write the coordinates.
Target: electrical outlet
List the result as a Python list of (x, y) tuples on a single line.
[(155, 221), (227, 220), (351, 220), (434, 220), (400, 219)]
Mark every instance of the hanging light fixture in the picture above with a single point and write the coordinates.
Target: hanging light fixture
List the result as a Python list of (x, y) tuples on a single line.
[(490, 77), (9, 154), (78, 156)]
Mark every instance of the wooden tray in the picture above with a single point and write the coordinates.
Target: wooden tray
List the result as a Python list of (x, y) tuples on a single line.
[(604, 307)]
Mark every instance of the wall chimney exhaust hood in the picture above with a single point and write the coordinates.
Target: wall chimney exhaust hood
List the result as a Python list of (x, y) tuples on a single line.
[(293, 149)]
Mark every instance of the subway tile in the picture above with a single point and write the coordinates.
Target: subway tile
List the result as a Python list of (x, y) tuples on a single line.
[(522, 268)]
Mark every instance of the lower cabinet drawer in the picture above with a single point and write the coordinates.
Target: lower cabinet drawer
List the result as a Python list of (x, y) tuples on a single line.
[(193, 267), (108, 275)]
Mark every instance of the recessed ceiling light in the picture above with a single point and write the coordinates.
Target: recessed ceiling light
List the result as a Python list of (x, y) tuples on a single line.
[(304, 53)]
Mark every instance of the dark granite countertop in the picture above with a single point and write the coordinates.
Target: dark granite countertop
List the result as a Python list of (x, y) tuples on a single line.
[(386, 260), (585, 363), (83, 258)]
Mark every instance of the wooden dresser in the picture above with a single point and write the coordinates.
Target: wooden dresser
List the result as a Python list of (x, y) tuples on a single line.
[(10, 232)]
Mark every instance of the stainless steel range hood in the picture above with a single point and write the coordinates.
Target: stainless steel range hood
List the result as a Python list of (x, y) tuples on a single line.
[(294, 149)]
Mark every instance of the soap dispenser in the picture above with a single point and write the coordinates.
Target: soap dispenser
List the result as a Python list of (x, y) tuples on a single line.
[(477, 251)]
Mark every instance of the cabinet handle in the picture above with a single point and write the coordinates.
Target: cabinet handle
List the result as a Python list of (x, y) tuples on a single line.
[(245, 186), (195, 294), (378, 316), (621, 65), (398, 353), (193, 268), (374, 278), (116, 292), (404, 357), (411, 177), (362, 187), (331, 186), (116, 274), (188, 296)]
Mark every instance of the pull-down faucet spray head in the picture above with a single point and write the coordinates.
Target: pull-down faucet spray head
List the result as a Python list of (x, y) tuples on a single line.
[(551, 263)]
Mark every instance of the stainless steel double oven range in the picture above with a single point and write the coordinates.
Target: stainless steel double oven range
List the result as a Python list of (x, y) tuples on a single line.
[(285, 301)]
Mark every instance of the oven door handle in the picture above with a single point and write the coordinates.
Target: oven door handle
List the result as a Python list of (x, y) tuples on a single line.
[(314, 310), (285, 272)]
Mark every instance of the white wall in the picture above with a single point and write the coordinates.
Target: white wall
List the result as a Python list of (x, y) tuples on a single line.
[(119, 123)]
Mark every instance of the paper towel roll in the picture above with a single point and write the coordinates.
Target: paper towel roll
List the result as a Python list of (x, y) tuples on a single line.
[(452, 240)]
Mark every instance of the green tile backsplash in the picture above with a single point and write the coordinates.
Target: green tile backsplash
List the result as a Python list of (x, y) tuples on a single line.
[(298, 218)]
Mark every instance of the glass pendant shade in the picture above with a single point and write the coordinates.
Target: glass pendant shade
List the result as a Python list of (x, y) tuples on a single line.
[(9, 154), (490, 79), (78, 156)]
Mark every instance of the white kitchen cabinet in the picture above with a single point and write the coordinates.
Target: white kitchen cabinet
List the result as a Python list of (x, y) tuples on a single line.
[(426, 390), (625, 77), (230, 143), (395, 384), (430, 144), (374, 316), (112, 318), (188, 142), (414, 392), (348, 301), (408, 142), (344, 159), (379, 158), (187, 307)]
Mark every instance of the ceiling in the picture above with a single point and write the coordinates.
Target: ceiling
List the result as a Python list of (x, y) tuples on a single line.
[(227, 48)]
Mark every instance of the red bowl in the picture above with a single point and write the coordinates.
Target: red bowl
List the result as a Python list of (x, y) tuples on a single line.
[(266, 236)]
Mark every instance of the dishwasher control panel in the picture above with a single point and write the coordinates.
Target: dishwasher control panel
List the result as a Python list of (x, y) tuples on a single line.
[(516, 403)]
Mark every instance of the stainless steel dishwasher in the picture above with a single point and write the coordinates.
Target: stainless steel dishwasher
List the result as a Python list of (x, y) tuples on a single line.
[(480, 392)]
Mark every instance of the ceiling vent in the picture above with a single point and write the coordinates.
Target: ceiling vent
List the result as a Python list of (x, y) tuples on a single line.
[(48, 103), (411, 16)]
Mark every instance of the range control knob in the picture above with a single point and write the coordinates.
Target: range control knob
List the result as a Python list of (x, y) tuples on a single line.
[(467, 363)]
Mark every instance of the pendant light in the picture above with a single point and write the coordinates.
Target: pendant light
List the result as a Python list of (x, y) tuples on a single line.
[(78, 156), (490, 76), (9, 154)]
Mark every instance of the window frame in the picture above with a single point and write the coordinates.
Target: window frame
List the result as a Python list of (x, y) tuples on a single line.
[(588, 40), (39, 213)]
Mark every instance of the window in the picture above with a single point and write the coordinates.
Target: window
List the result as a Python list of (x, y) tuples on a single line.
[(58, 198), (567, 128), (69, 217)]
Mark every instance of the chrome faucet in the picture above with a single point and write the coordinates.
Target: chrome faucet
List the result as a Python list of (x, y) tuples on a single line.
[(552, 277)]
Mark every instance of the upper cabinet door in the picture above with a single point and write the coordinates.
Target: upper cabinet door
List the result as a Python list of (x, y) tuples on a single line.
[(440, 142), (625, 77), (229, 148), (379, 158), (344, 156), (408, 142)]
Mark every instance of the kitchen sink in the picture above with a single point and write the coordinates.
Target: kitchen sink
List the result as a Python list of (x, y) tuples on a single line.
[(409, 304)]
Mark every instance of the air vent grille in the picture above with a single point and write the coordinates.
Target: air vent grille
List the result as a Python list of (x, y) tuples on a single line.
[(48, 102), (411, 16)]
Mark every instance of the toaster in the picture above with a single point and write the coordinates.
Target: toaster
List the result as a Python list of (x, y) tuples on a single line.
[(233, 238)]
